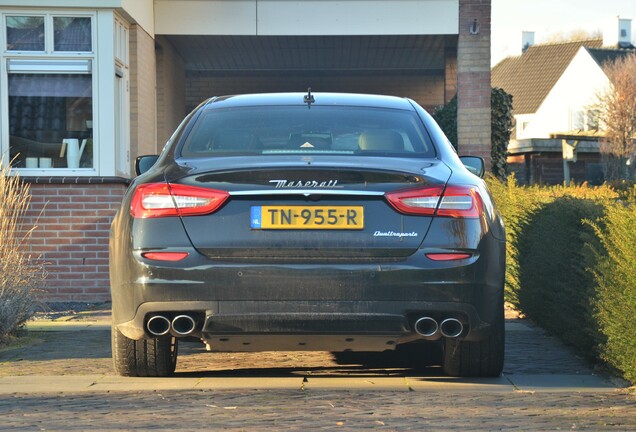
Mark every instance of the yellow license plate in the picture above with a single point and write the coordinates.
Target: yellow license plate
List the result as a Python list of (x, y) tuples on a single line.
[(307, 217)]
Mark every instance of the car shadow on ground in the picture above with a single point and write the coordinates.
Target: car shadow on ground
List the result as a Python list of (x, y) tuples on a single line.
[(529, 350), (193, 361)]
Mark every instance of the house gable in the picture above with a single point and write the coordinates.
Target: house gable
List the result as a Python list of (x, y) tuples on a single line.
[(531, 76), (572, 96)]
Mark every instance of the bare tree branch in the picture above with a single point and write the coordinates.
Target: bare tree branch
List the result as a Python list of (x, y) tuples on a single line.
[(617, 109)]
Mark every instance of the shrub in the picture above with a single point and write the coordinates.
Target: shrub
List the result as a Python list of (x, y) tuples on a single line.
[(571, 256), (501, 124), (616, 288), (520, 207), (21, 275), (446, 117), (554, 287)]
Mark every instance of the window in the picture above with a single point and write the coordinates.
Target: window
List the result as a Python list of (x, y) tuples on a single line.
[(50, 119), (584, 120), (593, 119), (49, 34), (578, 120), (25, 33), (72, 34), (48, 106), (276, 130)]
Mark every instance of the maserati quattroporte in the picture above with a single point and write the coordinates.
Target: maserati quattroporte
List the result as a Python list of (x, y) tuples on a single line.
[(300, 221)]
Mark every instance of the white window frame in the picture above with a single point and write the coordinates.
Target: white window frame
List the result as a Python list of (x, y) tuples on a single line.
[(49, 33), (39, 61), (592, 119), (121, 41), (4, 32), (577, 118), (587, 116)]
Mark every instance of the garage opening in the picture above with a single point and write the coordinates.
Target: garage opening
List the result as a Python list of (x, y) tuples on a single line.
[(192, 68)]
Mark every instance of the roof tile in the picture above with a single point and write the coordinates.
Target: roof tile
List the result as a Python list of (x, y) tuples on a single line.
[(530, 76)]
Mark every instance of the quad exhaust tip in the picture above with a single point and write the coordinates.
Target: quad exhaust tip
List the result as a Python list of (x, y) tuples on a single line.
[(429, 327), (451, 328), (183, 325), (158, 325), (426, 326)]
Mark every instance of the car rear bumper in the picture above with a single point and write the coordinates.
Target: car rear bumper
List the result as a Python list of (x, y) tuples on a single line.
[(247, 305), (334, 306), (303, 325)]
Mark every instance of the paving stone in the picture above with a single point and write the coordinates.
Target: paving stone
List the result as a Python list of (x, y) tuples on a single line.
[(301, 410), (300, 390)]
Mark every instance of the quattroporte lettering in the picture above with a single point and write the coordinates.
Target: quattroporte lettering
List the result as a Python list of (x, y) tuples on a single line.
[(394, 234)]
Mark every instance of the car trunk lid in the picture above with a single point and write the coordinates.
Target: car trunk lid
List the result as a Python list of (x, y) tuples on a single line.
[(308, 210)]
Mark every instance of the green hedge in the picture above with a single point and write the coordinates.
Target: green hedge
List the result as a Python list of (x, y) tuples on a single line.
[(615, 277), (571, 264)]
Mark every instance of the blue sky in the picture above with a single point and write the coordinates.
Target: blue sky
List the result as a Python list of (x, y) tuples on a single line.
[(547, 17)]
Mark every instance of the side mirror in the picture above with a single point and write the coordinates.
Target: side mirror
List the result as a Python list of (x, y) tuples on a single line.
[(144, 163), (474, 164)]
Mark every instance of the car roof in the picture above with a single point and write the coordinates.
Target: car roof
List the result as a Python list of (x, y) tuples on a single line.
[(320, 99)]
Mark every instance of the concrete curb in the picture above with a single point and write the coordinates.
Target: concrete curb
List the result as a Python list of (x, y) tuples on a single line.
[(34, 384)]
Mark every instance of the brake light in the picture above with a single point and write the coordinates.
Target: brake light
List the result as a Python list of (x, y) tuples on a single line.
[(165, 256), (162, 200), (453, 201)]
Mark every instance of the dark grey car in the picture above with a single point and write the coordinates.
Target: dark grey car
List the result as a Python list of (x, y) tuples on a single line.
[(332, 222)]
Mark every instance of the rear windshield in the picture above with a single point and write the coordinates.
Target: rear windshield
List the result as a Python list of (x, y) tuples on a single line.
[(281, 130)]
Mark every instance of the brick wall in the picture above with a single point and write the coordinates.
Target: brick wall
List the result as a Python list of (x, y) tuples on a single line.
[(73, 224), (425, 88), (170, 89), (143, 117), (473, 76)]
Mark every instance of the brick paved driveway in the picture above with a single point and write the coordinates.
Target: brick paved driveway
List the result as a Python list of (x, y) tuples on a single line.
[(294, 391)]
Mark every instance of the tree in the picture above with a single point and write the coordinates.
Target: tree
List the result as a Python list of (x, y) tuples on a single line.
[(617, 110), (573, 36), (501, 126), (446, 118)]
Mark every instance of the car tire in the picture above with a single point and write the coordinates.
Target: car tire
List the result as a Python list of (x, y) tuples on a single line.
[(476, 359), (152, 357)]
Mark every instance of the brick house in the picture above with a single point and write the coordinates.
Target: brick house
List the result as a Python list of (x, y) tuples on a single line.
[(85, 87), (554, 88)]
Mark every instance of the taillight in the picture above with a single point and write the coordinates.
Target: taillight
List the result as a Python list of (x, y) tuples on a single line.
[(452, 201), (161, 199)]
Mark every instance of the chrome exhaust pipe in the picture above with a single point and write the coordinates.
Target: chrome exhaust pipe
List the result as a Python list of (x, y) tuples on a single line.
[(426, 326), (183, 325), (158, 325), (451, 327)]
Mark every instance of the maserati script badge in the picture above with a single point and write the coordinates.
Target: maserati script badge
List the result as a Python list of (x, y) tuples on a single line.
[(285, 184)]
